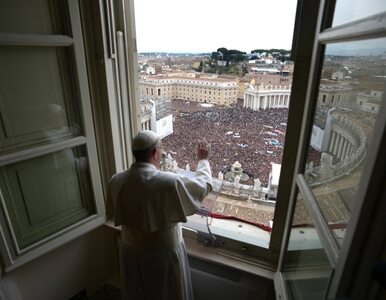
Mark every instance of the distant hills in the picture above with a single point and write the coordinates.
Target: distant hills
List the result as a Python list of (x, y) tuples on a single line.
[(174, 54), (272, 51), (331, 50)]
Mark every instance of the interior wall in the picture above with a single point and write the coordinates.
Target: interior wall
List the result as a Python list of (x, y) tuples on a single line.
[(90, 261), (217, 282), (86, 263)]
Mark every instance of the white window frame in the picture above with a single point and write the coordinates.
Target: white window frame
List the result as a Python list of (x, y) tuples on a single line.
[(268, 256), (12, 257)]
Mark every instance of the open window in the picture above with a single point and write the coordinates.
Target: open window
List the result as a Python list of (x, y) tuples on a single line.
[(340, 181), (246, 212), (49, 180)]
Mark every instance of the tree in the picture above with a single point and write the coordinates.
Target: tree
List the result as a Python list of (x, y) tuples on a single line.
[(236, 55), (245, 70), (214, 56), (273, 52), (199, 69), (222, 50), (223, 53)]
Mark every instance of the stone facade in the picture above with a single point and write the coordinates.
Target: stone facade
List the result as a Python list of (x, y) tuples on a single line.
[(267, 96), (335, 95), (206, 90)]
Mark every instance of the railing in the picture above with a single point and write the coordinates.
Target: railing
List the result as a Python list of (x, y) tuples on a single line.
[(270, 87)]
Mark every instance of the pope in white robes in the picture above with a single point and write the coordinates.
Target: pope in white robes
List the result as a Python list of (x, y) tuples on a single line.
[(150, 204)]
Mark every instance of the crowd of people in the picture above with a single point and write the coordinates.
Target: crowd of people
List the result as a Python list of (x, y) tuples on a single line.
[(254, 138)]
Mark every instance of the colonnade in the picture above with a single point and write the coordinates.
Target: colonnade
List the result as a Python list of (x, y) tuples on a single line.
[(256, 100), (340, 146), (146, 125)]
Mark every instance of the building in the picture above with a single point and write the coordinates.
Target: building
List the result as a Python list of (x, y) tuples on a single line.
[(332, 94), (270, 79), (150, 70), (156, 115), (243, 84), (369, 102), (263, 96), (69, 107), (202, 89), (273, 182), (338, 75)]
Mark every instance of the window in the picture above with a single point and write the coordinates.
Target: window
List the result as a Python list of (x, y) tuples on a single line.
[(305, 263), (61, 138), (50, 182), (333, 178), (253, 245)]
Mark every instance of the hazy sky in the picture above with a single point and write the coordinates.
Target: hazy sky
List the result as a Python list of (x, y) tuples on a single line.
[(206, 25)]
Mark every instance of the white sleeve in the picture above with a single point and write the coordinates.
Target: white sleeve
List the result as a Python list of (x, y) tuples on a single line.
[(192, 190), (204, 174)]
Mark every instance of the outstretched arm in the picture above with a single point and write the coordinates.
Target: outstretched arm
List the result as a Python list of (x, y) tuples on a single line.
[(192, 190)]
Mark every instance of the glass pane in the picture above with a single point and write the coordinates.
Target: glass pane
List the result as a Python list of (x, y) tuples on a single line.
[(46, 194), (306, 268), (37, 98), (351, 10), (350, 95), (38, 16)]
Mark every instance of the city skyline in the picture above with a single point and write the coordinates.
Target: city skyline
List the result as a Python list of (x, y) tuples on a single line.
[(180, 26)]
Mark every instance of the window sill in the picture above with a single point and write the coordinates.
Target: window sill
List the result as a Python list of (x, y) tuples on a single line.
[(221, 256)]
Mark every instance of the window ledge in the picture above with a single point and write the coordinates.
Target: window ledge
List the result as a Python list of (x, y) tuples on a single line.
[(222, 256)]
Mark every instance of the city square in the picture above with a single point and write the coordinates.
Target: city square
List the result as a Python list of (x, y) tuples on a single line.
[(254, 138)]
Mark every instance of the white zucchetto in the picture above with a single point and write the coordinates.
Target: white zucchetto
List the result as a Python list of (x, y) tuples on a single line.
[(143, 140)]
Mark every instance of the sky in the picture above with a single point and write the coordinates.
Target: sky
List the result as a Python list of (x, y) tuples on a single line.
[(198, 26)]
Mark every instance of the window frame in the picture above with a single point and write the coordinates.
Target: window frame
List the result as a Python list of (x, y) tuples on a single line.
[(270, 255), (345, 261), (11, 256)]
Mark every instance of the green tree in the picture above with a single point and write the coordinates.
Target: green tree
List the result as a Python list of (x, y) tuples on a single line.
[(214, 56), (223, 53), (199, 69)]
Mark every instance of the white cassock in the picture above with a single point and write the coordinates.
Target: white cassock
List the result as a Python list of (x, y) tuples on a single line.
[(149, 204)]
